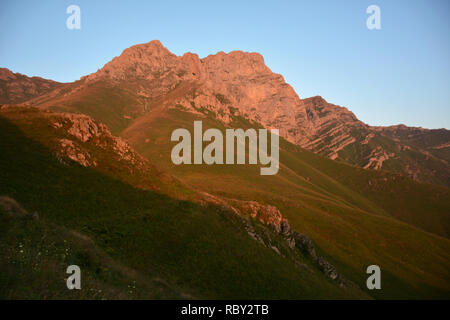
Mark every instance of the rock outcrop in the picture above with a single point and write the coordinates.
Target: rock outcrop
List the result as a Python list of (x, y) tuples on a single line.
[(85, 130), (305, 244), (270, 216), (76, 153)]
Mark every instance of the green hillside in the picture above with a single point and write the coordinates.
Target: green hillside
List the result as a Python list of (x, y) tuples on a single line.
[(358, 217), (145, 244)]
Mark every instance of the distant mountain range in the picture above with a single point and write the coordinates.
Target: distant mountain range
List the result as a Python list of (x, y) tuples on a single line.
[(17, 88)]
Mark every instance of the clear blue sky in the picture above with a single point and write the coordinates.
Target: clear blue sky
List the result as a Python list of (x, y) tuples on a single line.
[(399, 74)]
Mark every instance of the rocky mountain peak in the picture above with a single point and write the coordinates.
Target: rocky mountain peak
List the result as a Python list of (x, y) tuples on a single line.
[(152, 60), (145, 61), (235, 63), (153, 48)]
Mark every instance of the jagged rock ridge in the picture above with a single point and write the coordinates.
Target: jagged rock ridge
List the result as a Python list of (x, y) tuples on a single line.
[(240, 84)]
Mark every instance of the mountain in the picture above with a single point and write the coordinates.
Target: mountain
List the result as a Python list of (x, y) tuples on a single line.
[(78, 195), (240, 82), (235, 233), (93, 157), (17, 88)]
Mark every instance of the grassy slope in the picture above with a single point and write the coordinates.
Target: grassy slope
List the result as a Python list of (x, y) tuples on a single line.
[(171, 248), (36, 253), (354, 224), (115, 106), (351, 213)]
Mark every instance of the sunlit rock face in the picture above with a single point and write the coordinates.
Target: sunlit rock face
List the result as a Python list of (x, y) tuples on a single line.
[(239, 84)]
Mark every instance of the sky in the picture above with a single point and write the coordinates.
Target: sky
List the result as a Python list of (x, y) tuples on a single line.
[(397, 74)]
